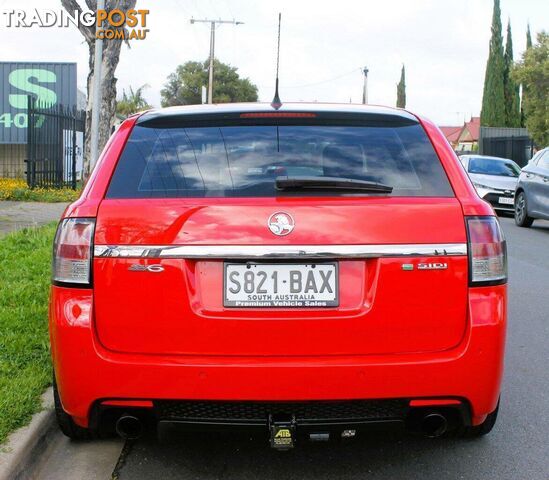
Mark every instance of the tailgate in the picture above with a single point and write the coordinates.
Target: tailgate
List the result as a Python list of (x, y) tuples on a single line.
[(397, 289)]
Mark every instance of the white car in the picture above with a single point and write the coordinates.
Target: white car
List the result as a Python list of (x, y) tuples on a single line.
[(494, 178)]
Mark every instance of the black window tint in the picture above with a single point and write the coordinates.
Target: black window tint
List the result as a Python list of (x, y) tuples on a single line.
[(244, 161)]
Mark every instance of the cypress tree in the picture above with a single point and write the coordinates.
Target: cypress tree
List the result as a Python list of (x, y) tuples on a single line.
[(512, 103), (493, 98), (528, 37), (524, 89), (401, 89)]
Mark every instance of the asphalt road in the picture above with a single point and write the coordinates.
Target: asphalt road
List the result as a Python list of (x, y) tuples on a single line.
[(517, 448)]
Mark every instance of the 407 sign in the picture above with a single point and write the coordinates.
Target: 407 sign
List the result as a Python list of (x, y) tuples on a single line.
[(19, 120)]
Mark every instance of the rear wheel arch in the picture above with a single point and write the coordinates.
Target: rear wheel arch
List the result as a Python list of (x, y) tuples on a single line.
[(65, 422), (522, 219)]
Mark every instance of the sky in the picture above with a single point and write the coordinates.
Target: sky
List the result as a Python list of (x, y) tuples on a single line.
[(324, 46)]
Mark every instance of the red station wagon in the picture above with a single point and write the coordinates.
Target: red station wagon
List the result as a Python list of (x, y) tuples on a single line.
[(307, 271)]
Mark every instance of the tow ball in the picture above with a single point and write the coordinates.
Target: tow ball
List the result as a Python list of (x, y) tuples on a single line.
[(282, 430)]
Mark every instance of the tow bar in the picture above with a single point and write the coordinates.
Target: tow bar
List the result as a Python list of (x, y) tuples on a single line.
[(282, 431)]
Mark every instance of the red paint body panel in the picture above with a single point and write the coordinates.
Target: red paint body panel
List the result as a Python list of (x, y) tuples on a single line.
[(184, 313), (420, 335), (96, 186), (87, 372), (243, 221), (181, 311)]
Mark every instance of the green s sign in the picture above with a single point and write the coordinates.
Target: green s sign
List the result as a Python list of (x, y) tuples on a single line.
[(50, 84), (21, 80)]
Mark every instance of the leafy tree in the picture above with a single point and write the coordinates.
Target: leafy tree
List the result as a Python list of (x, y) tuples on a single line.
[(493, 98), (401, 89), (533, 73), (132, 102), (111, 56), (511, 88), (184, 86)]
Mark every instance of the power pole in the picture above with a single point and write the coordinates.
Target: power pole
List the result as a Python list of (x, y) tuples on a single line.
[(212, 49), (365, 90), (96, 92)]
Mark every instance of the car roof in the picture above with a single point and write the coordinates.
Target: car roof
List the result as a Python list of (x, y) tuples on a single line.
[(235, 109), (487, 157)]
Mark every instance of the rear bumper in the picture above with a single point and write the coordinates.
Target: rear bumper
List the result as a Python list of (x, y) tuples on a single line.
[(87, 373)]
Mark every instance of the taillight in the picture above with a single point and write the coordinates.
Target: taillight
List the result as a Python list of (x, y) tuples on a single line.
[(487, 251), (72, 251)]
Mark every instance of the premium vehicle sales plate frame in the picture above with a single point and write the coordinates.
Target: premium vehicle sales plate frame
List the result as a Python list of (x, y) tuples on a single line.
[(315, 283)]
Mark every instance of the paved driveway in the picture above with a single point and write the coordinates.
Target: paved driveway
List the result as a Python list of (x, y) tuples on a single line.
[(17, 215)]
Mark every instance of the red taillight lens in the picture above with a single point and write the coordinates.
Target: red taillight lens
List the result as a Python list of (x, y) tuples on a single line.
[(72, 251), (487, 251)]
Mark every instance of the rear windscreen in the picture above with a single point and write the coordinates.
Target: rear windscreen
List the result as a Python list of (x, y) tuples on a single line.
[(244, 161)]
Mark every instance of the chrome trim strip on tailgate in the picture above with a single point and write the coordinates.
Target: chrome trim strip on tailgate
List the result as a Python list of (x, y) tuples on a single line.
[(243, 252)]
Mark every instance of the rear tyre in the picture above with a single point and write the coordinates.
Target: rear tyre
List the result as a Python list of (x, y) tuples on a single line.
[(521, 211), (66, 423), (483, 429)]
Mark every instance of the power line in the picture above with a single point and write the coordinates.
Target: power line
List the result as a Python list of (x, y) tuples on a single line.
[(354, 70)]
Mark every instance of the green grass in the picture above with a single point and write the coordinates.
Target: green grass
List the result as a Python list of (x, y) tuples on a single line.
[(25, 369)]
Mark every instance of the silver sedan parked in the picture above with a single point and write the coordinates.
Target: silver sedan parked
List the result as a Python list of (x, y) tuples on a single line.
[(494, 178), (532, 193)]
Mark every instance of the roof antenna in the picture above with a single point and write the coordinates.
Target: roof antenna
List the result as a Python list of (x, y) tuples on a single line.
[(276, 103)]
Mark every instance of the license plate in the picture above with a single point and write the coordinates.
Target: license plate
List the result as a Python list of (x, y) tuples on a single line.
[(281, 285), (506, 200)]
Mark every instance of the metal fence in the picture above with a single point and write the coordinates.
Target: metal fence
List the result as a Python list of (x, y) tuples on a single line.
[(513, 143), (55, 145)]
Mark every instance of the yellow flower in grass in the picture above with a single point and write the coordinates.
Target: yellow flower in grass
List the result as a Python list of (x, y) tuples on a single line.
[(17, 189)]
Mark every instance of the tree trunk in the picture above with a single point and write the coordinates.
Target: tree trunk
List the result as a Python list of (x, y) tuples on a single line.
[(111, 56)]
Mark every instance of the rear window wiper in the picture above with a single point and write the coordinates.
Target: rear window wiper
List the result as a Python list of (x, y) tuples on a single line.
[(330, 183)]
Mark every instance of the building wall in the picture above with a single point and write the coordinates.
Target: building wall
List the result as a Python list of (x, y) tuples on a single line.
[(12, 160), (51, 84)]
